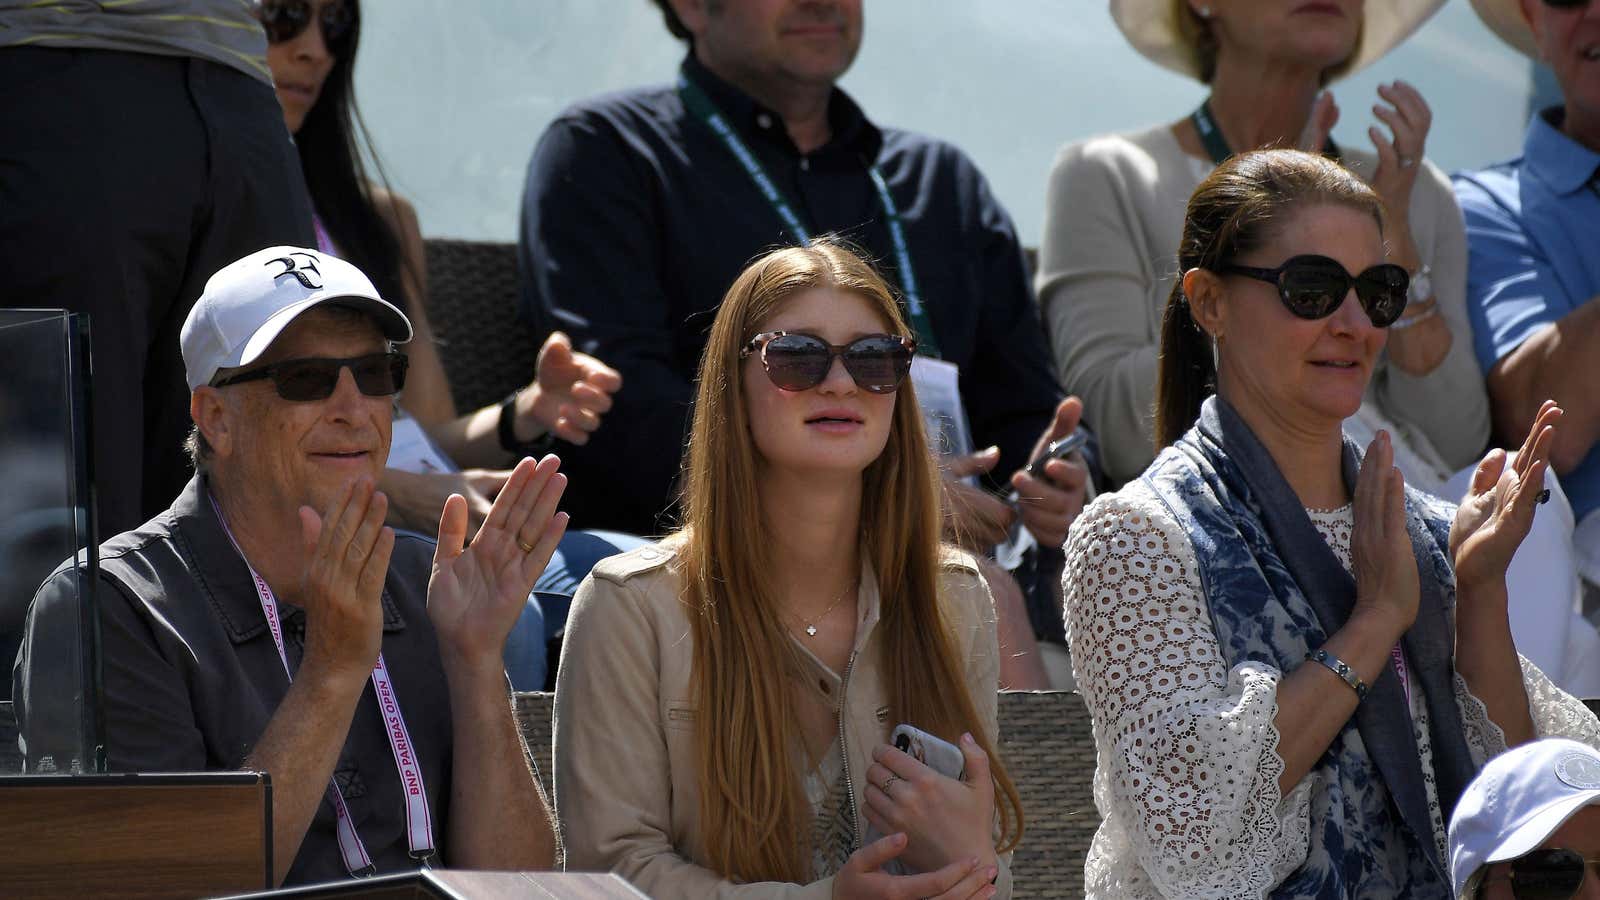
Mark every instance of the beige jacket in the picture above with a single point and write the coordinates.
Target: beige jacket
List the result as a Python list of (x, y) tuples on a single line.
[(626, 790), (1108, 257)]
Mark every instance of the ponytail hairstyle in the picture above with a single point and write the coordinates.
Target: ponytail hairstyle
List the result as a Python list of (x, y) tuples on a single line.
[(754, 816), (1233, 212)]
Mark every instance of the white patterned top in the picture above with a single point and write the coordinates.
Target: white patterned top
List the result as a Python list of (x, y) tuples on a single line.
[(1186, 780)]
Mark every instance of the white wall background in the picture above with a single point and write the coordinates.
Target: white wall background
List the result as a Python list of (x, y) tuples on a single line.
[(456, 92)]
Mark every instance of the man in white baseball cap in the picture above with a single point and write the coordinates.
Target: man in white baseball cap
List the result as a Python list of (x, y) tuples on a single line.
[(1532, 273), (242, 627), (1528, 827)]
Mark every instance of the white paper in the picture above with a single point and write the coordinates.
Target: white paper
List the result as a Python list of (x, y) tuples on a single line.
[(411, 450), (938, 386)]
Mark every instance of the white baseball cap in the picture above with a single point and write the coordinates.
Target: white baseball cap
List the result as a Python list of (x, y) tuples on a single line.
[(247, 303), (1519, 799)]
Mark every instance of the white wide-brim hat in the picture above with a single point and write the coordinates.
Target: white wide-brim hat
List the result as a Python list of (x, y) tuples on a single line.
[(1151, 26), (1504, 18)]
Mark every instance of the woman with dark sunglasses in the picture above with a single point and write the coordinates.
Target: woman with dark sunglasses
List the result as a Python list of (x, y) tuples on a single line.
[(1295, 663), (312, 55), (312, 52), (742, 679)]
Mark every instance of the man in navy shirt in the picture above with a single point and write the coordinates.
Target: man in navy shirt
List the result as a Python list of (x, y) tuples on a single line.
[(1533, 232), (638, 214)]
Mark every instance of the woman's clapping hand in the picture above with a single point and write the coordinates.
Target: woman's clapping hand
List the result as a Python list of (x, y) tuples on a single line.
[(1382, 560), (1498, 510)]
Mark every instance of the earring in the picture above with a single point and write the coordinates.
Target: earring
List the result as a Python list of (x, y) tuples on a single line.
[(1204, 12)]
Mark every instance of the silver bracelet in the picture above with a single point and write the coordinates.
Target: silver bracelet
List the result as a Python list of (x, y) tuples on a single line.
[(1342, 669), (1403, 324)]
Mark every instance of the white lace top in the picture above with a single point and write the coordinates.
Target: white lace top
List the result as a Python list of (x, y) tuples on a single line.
[(1187, 775)]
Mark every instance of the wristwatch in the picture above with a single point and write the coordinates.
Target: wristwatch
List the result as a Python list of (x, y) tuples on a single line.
[(1421, 290), (506, 427)]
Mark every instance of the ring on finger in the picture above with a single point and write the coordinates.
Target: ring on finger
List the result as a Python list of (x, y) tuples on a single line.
[(887, 782), (1407, 162), (526, 547)]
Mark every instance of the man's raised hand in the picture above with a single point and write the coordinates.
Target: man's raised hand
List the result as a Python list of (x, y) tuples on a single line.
[(347, 558), (478, 590)]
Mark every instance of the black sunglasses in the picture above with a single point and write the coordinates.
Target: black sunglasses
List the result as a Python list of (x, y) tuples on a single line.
[(1566, 4), (1547, 874), (284, 20), (798, 362), (1312, 287), (302, 380)]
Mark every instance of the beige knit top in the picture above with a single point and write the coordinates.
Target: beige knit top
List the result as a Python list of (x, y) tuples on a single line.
[(1107, 260)]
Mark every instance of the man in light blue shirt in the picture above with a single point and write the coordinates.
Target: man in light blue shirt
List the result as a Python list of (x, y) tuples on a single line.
[(1533, 234)]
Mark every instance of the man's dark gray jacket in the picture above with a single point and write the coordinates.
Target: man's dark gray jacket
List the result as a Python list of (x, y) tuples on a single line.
[(192, 676)]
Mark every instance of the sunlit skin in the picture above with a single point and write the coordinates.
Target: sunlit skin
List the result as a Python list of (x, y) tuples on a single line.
[(1569, 42), (835, 427), (276, 455), (1580, 833), (770, 41), (1312, 33), (1302, 376), (299, 67)]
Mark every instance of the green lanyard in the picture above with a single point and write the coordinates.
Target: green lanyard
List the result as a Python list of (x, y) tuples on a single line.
[(1211, 136), (697, 103)]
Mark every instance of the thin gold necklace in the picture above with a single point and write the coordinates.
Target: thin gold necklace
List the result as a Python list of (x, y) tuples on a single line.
[(811, 626)]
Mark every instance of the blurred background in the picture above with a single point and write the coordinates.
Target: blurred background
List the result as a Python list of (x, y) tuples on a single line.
[(456, 93)]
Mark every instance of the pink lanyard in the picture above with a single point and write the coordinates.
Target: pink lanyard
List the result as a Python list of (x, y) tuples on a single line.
[(1399, 658), (419, 823)]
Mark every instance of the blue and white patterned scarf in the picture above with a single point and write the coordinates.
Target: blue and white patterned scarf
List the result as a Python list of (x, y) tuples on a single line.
[(1276, 591)]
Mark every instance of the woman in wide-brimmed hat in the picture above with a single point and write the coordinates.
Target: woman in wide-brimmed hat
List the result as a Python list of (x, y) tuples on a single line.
[(1115, 203)]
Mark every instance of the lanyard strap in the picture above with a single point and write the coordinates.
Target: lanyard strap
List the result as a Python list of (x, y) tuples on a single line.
[(1205, 123), (419, 821), (1399, 657), (698, 104)]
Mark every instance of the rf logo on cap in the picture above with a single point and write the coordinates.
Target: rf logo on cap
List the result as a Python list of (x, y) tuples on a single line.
[(1579, 771), (301, 265)]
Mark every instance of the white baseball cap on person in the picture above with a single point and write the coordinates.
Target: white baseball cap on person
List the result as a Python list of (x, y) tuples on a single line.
[(248, 303), (1519, 799)]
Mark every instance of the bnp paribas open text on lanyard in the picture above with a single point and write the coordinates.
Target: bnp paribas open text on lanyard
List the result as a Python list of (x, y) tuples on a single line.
[(937, 381), (419, 820)]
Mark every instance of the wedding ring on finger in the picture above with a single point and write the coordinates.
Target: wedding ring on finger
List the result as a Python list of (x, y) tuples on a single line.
[(887, 782), (526, 547), (1407, 162)]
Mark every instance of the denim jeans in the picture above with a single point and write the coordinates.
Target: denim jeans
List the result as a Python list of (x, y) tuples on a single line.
[(544, 618)]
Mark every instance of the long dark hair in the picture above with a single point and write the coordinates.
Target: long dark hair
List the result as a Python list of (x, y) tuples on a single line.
[(334, 148), (1231, 213)]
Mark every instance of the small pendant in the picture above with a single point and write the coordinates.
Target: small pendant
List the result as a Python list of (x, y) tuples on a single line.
[(811, 630)]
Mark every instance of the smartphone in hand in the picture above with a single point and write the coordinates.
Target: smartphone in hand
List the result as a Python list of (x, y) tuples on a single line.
[(936, 753)]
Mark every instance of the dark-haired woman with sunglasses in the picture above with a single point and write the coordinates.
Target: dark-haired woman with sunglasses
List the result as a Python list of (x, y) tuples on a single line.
[(1295, 663), (312, 57), (437, 453), (741, 681)]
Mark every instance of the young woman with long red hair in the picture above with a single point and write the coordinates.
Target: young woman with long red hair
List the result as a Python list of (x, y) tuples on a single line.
[(725, 698)]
